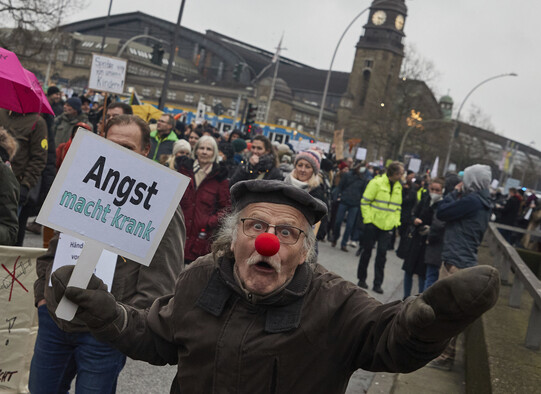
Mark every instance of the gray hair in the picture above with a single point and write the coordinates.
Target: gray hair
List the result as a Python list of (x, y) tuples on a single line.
[(206, 138), (227, 232)]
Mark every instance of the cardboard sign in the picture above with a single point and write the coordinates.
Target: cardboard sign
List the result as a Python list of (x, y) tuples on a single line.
[(68, 251), (111, 198), (18, 317), (107, 74), (338, 141)]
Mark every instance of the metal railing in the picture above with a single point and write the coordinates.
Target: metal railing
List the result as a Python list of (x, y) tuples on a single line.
[(508, 262)]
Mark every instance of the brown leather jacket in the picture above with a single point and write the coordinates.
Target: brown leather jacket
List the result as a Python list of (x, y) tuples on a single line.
[(133, 284), (308, 337)]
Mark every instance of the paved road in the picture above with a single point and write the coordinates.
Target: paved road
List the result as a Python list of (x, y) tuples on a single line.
[(142, 378)]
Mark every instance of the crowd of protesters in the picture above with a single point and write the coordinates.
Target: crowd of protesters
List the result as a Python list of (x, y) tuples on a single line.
[(367, 204)]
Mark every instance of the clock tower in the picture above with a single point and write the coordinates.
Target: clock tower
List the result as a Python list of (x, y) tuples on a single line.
[(364, 108)]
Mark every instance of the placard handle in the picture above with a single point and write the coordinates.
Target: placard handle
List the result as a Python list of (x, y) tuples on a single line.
[(80, 277)]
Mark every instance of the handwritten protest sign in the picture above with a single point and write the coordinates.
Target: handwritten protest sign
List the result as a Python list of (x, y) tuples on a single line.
[(18, 317), (68, 251), (107, 74), (111, 198)]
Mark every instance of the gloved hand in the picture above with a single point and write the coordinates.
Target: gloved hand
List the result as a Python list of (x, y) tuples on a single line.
[(98, 308), (424, 230), (451, 304)]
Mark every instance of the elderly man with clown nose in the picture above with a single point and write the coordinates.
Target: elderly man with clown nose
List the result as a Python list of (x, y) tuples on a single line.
[(258, 315)]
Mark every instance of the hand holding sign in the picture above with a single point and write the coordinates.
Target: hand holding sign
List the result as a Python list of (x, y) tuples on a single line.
[(111, 198)]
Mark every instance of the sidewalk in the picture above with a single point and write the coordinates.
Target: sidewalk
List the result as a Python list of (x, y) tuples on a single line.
[(424, 380)]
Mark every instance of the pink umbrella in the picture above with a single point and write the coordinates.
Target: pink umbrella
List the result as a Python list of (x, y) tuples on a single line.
[(36, 85), (21, 91)]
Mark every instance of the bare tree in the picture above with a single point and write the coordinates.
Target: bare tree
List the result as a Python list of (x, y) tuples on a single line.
[(416, 66), (478, 118), (36, 14)]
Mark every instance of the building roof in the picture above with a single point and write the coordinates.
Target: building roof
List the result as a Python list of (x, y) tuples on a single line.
[(298, 76)]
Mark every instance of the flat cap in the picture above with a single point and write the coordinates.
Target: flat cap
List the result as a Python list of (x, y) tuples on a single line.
[(277, 192)]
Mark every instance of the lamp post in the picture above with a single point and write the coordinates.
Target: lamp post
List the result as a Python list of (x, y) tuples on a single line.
[(454, 129), (326, 88), (172, 49), (411, 128)]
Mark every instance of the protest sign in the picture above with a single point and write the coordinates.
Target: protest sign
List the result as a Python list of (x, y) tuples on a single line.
[(111, 198), (414, 165), (338, 141), (361, 154), (68, 251), (107, 74), (18, 317)]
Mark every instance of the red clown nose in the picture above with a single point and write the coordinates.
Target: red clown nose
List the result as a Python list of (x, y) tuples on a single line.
[(267, 244)]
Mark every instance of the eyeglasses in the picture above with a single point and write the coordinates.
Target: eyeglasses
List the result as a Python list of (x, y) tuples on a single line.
[(288, 235)]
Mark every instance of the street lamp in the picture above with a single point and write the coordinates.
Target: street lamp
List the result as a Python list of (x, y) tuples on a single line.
[(172, 49), (454, 129), (326, 88)]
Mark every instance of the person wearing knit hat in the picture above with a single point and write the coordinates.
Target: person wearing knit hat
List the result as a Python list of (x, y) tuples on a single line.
[(239, 145), (305, 175), (312, 157), (182, 148), (54, 96), (64, 123), (75, 104), (52, 90)]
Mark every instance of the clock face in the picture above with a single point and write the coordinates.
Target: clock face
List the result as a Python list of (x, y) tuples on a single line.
[(379, 17), (399, 22)]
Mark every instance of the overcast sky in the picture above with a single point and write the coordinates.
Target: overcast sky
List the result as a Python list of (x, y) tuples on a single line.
[(467, 40)]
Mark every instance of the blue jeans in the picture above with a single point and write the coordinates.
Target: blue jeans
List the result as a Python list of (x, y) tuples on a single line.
[(350, 223), (432, 275), (59, 356), (408, 284)]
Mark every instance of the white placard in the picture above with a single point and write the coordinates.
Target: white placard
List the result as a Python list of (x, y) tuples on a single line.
[(494, 184), (107, 74), (200, 115), (68, 251), (414, 165), (361, 154), (113, 196)]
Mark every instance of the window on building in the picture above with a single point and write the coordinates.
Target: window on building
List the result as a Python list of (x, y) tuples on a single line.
[(80, 60), (216, 101), (171, 95), (364, 86), (369, 63), (306, 119), (158, 93), (189, 97), (145, 91), (261, 111), (298, 117), (62, 56)]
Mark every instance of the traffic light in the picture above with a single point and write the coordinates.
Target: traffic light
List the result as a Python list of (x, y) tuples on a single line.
[(157, 54), (250, 117), (237, 71)]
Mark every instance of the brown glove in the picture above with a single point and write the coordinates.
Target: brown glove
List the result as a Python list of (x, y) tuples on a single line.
[(98, 308), (451, 304)]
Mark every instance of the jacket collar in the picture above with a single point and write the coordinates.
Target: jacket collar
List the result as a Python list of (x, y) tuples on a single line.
[(283, 307)]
